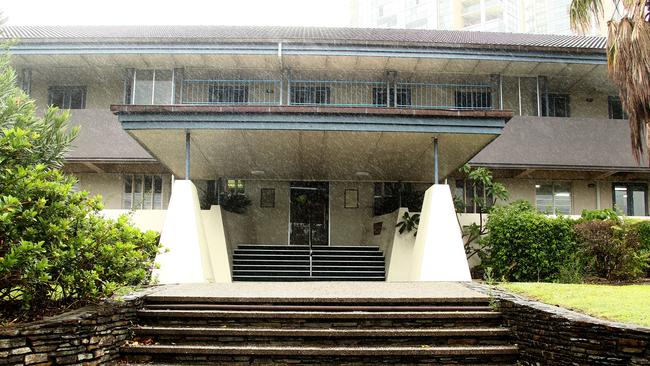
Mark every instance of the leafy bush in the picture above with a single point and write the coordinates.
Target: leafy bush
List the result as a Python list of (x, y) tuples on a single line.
[(604, 214), (55, 248), (643, 231), (611, 249), (523, 244)]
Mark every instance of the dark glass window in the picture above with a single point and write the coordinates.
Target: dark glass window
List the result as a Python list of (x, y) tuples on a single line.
[(558, 105), (473, 100), (389, 196), (402, 97), (630, 198), (67, 97), (308, 94), (615, 108), (142, 192), (228, 94)]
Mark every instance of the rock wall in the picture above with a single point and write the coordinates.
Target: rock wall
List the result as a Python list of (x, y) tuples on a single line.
[(91, 335), (551, 335)]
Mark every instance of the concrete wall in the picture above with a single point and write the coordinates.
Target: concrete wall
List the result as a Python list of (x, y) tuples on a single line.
[(111, 185)]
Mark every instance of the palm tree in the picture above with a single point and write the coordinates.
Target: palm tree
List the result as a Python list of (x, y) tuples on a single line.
[(628, 58)]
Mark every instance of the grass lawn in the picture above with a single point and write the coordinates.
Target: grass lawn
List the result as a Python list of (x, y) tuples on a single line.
[(628, 304)]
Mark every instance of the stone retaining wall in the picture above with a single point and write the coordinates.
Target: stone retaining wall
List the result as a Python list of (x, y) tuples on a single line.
[(88, 336), (551, 335)]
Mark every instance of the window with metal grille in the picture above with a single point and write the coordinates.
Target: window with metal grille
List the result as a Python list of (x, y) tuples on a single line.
[(309, 94), (558, 105), (470, 197), (142, 192), (473, 99), (67, 97), (399, 99), (235, 94)]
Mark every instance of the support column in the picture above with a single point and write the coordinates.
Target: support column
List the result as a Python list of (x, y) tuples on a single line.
[(26, 81), (187, 155), (436, 178)]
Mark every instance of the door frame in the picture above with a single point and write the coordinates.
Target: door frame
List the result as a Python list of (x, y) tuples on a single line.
[(329, 210)]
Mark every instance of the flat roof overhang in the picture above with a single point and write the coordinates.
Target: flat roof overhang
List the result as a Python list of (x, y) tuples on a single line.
[(328, 143)]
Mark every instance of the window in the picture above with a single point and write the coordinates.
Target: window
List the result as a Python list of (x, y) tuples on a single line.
[(473, 100), (558, 105), (310, 94), (403, 96), (228, 94), (67, 97), (553, 198), (142, 192), (630, 198), (616, 108), (470, 197), (153, 87), (235, 186), (389, 196)]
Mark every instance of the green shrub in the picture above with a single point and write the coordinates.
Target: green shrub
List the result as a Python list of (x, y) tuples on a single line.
[(523, 244), (604, 214), (643, 230), (56, 250), (611, 249)]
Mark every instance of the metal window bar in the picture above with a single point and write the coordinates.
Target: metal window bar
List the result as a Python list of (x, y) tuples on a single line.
[(444, 96), (233, 92), (338, 93)]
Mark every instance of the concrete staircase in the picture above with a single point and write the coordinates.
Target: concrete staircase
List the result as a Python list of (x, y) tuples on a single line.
[(249, 331), (296, 263)]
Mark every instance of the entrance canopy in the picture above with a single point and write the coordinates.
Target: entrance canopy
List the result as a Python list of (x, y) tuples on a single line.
[(310, 143)]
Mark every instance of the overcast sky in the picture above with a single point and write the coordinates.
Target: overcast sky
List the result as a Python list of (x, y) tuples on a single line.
[(175, 12)]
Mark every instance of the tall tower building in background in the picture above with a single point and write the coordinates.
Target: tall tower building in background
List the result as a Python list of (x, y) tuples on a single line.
[(519, 16)]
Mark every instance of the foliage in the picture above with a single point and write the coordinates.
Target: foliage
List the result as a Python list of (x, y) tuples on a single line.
[(643, 231), (628, 52), (234, 202), (604, 214), (494, 191), (611, 249), (409, 223), (627, 303), (523, 244), (55, 248)]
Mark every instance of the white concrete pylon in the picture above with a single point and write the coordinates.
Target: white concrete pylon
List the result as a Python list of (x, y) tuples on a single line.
[(185, 257), (439, 254)]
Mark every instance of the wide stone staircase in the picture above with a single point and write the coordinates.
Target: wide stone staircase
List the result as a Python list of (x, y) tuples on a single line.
[(250, 331), (300, 263)]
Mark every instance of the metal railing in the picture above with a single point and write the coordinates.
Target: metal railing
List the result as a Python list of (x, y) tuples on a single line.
[(237, 92), (443, 96), (339, 93)]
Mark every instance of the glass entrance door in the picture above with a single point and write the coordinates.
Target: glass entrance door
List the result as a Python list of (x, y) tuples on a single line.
[(309, 213)]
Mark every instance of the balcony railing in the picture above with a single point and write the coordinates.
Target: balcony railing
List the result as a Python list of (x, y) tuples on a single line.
[(238, 92), (438, 96), (337, 93)]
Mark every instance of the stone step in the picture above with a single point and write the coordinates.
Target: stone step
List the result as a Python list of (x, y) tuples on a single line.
[(319, 319), (337, 307), (349, 272), (319, 247), (323, 337), (306, 252), (478, 300), (323, 354), (304, 278)]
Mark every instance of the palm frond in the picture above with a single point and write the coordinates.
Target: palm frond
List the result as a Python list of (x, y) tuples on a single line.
[(585, 13)]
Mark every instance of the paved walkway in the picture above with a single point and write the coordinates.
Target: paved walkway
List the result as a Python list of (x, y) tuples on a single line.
[(340, 291)]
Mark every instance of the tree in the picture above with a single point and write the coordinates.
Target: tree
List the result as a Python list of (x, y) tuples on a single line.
[(56, 250), (628, 55)]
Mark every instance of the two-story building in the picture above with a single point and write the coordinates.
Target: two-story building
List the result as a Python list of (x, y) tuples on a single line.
[(314, 137)]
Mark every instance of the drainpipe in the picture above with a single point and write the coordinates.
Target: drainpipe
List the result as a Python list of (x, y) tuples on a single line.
[(435, 161), (187, 154)]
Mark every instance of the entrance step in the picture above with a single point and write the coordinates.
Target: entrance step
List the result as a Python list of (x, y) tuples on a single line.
[(276, 331), (278, 263)]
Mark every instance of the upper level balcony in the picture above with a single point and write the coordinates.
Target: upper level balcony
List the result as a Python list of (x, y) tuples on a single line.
[(169, 87)]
